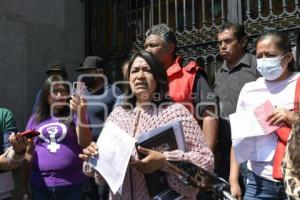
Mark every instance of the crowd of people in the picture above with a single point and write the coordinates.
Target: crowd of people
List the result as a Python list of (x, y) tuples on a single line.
[(162, 87)]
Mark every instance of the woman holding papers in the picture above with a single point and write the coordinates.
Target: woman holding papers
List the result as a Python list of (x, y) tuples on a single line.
[(53, 157), (150, 107), (279, 84)]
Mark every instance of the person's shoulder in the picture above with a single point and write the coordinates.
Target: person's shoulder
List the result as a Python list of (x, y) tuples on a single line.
[(293, 78), (116, 88), (119, 109), (250, 55), (252, 60), (189, 64), (260, 81), (120, 113), (223, 68), (32, 119), (113, 87), (180, 106), (296, 75), (5, 112), (176, 109)]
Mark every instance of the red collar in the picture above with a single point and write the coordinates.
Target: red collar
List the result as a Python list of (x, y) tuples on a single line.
[(176, 67)]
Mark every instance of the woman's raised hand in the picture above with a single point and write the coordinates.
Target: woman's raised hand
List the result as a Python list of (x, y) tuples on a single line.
[(91, 150), (78, 104)]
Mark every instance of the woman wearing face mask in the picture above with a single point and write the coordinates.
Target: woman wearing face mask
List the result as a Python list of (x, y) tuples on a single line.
[(278, 84)]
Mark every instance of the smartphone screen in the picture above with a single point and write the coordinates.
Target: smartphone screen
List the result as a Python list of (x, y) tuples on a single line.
[(79, 89)]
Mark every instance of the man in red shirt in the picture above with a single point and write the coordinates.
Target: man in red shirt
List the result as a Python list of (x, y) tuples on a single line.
[(187, 80)]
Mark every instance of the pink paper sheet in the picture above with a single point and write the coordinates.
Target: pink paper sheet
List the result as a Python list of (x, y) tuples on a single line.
[(261, 113)]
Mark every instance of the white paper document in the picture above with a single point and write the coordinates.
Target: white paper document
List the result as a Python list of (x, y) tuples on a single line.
[(252, 122), (244, 124), (115, 147), (260, 148), (252, 137)]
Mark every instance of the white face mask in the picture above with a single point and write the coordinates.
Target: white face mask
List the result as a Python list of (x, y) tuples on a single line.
[(270, 68)]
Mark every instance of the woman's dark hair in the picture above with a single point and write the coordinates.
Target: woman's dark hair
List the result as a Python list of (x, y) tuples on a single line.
[(282, 42), (159, 74), (42, 112)]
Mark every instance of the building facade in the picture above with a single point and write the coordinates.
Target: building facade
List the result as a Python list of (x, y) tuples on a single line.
[(32, 34), (115, 27)]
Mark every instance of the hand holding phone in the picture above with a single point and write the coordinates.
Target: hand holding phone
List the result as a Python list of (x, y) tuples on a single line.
[(29, 133)]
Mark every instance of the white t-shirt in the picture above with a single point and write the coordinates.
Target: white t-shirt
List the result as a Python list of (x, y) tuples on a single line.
[(253, 94)]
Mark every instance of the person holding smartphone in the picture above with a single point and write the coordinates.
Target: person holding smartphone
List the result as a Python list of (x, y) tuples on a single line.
[(101, 97), (52, 159)]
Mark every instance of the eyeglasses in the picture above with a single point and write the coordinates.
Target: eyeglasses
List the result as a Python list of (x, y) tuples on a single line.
[(62, 92)]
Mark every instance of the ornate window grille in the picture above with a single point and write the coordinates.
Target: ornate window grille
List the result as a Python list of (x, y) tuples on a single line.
[(115, 27)]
